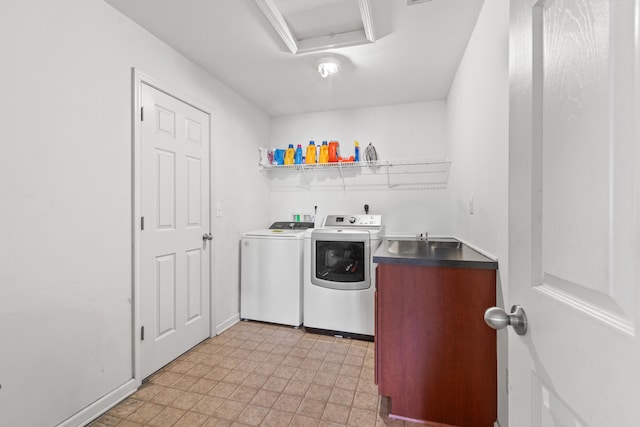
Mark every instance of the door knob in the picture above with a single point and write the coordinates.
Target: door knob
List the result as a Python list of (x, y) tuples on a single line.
[(207, 236), (497, 318)]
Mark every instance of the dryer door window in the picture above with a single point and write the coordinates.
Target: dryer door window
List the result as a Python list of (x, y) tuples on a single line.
[(341, 264)]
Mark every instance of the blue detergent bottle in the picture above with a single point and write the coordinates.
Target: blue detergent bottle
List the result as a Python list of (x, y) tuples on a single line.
[(298, 155)]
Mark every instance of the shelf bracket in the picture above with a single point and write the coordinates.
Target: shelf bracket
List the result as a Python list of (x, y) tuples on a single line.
[(306, 178), (344, 184)]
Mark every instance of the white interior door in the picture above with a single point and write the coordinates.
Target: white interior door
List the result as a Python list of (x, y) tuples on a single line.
[(174, 256), (574, 212)]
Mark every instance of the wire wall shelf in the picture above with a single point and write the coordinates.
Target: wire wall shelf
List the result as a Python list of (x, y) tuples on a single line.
[(373, 175)]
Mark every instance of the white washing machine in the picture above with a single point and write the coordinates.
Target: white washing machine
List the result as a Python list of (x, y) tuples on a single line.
[(339, 277), (271, 273)]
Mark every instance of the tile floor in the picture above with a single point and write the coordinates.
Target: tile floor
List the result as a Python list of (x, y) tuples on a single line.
[(257, 374)]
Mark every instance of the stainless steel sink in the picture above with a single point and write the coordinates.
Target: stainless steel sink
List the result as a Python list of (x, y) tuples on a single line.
[(408, 247), (448, 244), (417, 247)]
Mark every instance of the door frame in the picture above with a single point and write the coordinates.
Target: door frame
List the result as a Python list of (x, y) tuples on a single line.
[(138, 79)]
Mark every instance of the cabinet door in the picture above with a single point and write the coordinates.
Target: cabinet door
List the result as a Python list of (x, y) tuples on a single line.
[(375, 338), (436, 357), (376, 328)]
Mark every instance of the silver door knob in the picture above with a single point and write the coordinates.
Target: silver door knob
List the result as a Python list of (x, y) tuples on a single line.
[(207, 236), (497, 318)]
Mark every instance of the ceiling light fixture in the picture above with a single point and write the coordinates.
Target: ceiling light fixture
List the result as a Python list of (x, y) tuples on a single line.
[(328, 66)]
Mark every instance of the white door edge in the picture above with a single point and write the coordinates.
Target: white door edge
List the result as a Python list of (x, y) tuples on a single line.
[(140, 78)]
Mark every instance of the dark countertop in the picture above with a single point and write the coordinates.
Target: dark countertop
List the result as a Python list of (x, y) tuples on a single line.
[(429, 254)]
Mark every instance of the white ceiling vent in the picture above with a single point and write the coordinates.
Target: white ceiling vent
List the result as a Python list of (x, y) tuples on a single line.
[(312, 26), (414, 2)]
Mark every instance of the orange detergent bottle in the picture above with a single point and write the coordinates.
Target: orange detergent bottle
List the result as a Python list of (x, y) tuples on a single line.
[(324, 153), (311, 153), (334, 151)]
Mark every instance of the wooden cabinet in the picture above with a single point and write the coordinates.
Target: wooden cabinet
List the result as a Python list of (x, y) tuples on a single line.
[(435, 356)]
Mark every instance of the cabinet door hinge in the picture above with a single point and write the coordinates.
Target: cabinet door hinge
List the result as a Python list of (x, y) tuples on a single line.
[(142, 333), (142, 114), (141, 223)]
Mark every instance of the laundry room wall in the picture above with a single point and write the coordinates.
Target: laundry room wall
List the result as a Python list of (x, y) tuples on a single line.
[(65, 185), (478, 143), (398, 132)]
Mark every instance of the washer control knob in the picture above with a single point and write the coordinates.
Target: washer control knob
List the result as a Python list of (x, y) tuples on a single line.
[(352, 220)]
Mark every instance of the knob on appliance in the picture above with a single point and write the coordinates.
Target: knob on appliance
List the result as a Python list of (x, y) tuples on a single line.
[(352, 220)]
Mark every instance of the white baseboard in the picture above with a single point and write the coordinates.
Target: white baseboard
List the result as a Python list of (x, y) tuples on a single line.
[(100, 406), (108, 401), (220, 328)]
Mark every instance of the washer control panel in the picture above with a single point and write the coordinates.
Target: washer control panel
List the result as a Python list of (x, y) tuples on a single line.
[(290, 225)]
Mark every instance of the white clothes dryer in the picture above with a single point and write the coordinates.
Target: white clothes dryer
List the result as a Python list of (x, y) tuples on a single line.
[(339, 276)]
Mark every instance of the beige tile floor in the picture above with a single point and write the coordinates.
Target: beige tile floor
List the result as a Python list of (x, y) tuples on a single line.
[(257, 374)]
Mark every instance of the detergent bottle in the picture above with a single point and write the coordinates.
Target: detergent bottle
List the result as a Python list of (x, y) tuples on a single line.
[(334, 151), (298, 155), (289, 155), (311, 152), (324, 153), (356, 158)]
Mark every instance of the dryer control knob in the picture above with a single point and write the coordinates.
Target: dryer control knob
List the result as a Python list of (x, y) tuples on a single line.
[(352, 220)]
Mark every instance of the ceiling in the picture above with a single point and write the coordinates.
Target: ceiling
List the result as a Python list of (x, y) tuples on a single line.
[(415, 55)]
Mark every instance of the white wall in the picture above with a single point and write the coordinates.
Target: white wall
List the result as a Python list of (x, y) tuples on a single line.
[(399, 132), (65, 189), (477, 135)]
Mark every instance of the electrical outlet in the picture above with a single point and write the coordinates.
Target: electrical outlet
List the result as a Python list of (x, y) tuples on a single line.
[(218, 209), (471, 207)]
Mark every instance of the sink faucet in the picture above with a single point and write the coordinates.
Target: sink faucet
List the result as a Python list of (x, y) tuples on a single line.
[(423, 236)]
